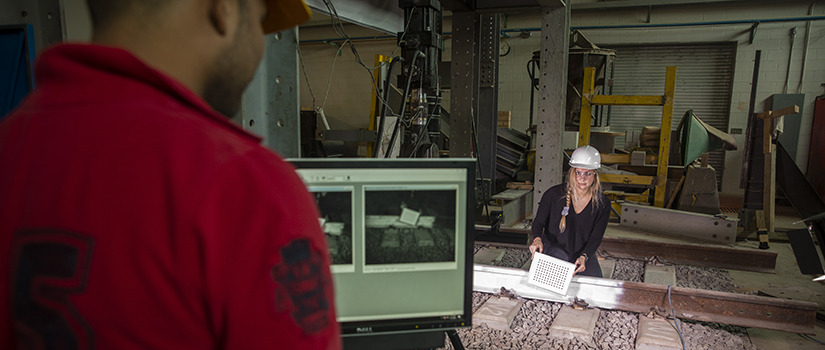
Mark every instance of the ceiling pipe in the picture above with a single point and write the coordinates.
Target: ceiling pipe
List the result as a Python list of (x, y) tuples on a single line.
[(614, 26)]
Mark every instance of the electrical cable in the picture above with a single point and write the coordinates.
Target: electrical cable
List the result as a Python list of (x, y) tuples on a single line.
[(410, 73), (306, 76), (404, 98), (401, 38), (675, 320), (530, 74), (808, 337), (423, 131), (329, 79), (474, 154), (339, 29), (383, 116)]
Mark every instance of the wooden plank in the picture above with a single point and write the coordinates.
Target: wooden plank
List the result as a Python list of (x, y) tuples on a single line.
[(676, 191), (769, 189), (626, 179), (767, 135), (625, 100), (615, 158), (776, 114), (519, 185)]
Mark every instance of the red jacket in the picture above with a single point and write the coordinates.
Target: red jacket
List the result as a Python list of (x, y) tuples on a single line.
[(134, 216)]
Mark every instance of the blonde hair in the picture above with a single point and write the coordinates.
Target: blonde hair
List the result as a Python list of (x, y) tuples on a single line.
[(595, 195)]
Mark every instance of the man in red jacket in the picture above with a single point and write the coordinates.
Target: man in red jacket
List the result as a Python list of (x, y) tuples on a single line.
[(135, 215)]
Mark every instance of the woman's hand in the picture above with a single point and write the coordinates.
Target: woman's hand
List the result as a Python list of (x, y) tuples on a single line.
[(580, 264), (536, 246)]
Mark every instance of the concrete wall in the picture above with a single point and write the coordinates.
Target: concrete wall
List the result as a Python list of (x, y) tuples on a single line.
[(348, 103)]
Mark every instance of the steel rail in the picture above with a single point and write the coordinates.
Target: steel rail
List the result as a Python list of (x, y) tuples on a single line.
[(675, 253), (691, 254), (694, 304)]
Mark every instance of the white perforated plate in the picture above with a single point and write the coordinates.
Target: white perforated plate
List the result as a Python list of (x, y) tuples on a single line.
[(409, 216), (551, 273)]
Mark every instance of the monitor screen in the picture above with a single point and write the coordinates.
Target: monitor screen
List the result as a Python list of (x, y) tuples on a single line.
[(400, 240)]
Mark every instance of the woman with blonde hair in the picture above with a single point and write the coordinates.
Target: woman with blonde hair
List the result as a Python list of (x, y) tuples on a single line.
[(572, 216)]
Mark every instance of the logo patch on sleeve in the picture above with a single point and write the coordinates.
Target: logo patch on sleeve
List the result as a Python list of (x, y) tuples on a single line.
[(302, 285)]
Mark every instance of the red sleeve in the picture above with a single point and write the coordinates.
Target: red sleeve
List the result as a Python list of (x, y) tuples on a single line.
[(267, 276)]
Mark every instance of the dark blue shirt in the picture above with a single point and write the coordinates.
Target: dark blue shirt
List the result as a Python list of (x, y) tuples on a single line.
[(584, 231)]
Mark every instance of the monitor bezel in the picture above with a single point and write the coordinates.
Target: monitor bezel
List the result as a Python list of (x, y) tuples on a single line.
[(417, 324)]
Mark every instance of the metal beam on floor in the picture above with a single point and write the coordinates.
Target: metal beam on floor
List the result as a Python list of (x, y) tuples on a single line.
[(691, 254)]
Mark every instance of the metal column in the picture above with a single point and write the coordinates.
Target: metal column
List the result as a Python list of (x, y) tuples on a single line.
[(474, 91), (487, 94), (462, 85), (46, 16), (270, 103), (555, 36)]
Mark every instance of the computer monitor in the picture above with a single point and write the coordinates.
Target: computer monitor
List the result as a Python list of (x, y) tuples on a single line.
[(400, 235)]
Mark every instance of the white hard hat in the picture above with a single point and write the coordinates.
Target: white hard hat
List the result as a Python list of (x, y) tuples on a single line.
[(586, 157)]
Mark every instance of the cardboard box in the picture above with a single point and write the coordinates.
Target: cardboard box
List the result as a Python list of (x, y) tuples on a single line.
[(504, 119)]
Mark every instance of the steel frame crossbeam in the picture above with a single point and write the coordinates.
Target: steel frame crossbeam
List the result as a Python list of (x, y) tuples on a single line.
[(695, 304)]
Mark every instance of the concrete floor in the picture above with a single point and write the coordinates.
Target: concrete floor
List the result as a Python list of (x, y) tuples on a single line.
[(787, 282)]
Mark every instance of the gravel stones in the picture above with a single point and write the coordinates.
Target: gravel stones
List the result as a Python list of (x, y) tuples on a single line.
[(514, 257), (616, 330), (711, 336), (704, 278), (629, 270)]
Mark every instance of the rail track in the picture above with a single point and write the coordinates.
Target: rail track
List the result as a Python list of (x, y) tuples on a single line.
[(710, 318)]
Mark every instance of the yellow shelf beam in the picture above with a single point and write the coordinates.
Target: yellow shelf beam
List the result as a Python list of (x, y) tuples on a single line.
[(620, 100), (586, 112)]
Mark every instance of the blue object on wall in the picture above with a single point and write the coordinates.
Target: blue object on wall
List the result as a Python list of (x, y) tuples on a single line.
[(16, 65)]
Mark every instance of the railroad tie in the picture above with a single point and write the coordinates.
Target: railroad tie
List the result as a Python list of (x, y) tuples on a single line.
[(570, 323)]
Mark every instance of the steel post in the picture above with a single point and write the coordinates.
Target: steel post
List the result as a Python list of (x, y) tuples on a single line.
[(586, 112), (486, 99), (270, 105), (555, 36), (462, 85), (664, 138)]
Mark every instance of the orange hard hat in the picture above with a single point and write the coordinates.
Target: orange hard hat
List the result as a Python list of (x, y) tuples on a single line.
[(285, 14)]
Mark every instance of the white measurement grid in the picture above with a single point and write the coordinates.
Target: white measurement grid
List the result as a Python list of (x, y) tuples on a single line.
[(551, 273)]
